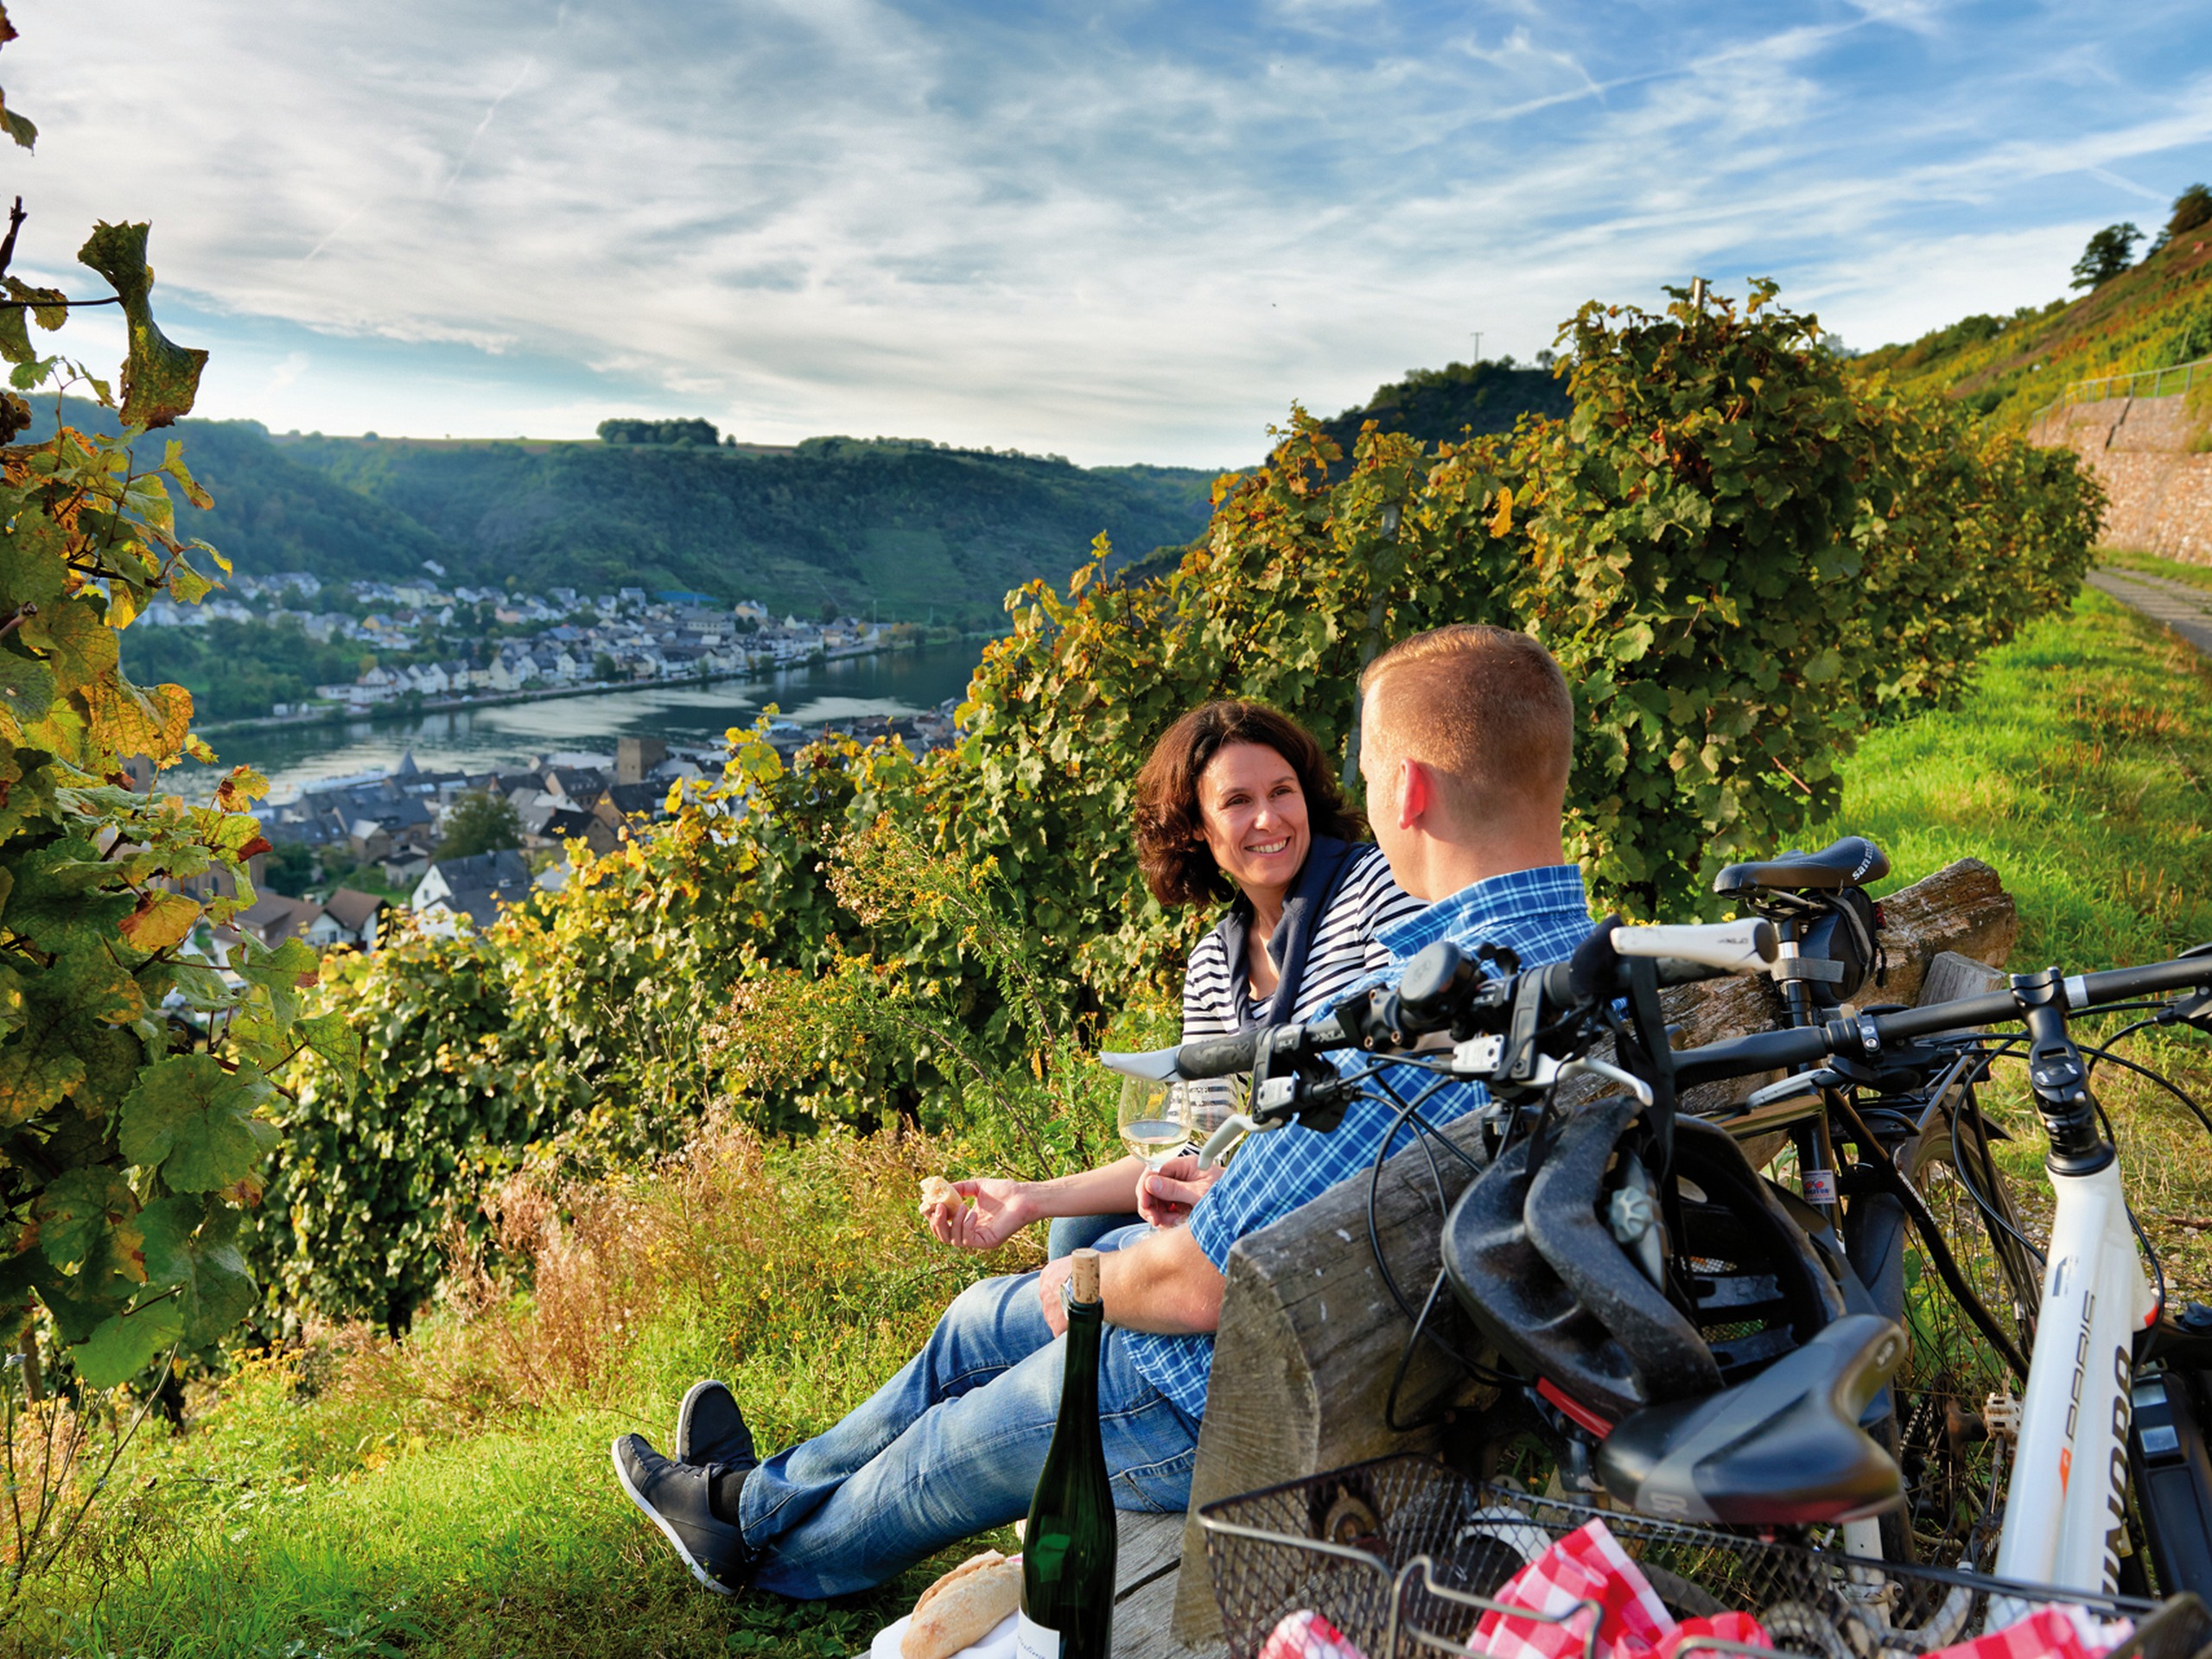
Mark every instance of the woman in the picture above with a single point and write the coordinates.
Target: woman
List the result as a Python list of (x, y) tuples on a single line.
[(1236, 800)]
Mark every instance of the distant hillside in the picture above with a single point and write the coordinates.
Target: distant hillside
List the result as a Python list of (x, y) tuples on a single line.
[(1440, 405), (2158, 314), (905, 526)]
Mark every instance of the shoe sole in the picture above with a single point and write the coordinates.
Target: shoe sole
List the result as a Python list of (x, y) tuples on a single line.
[(676, 1541), (682, 1446)]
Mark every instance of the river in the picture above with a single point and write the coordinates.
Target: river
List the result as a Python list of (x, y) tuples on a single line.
[(478, 740)]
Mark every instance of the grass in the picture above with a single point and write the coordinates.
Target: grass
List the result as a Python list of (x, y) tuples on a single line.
[(450, 1496)]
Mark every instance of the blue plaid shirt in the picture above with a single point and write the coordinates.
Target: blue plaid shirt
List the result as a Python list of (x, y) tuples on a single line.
[(1541, 915)]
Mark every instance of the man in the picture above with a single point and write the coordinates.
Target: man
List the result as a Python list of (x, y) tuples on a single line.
[(1469, 734)]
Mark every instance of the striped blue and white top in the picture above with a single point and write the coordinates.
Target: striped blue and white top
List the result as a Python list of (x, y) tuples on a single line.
[(1216, 994)]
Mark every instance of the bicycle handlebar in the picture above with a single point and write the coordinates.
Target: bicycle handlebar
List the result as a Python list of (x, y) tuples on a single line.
[(1434, 994), (1766, 1050)]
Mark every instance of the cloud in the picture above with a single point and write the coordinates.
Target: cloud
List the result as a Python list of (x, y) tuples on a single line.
[(1137, 234)]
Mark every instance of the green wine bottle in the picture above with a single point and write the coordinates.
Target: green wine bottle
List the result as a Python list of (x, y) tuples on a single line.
[(1067, 1550)]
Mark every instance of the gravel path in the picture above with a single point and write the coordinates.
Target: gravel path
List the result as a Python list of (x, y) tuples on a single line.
[(2186, 610)]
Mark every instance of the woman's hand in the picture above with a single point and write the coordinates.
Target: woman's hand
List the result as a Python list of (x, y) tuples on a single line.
[(1165, 1197), (1000, 1210)]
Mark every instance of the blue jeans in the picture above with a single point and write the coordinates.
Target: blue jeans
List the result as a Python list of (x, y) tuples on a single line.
[(952, 1446), (1069, 1233)]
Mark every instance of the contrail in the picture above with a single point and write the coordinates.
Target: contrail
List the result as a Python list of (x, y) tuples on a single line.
[(335, 234), (528, 64)]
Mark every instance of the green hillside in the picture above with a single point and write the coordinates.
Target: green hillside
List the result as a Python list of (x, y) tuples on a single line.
[(905, 525), (2153, 314), (1436, 405)]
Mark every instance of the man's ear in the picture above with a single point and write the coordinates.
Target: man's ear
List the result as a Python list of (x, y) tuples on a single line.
[(1416, 792)]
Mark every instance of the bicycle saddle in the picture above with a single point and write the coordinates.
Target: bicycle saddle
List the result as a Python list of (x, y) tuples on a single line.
[(1851, 862), (1784, 1448)]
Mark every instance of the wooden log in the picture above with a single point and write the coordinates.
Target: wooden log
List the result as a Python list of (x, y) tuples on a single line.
[(1311, 1337)]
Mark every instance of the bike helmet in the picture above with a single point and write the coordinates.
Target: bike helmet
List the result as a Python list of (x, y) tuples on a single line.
[(1564, 1270)]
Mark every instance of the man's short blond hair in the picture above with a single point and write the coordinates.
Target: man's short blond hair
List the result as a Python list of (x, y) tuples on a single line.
[(1487, 708)]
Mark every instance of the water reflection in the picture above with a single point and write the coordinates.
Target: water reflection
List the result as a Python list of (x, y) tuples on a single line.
[(479, 739)]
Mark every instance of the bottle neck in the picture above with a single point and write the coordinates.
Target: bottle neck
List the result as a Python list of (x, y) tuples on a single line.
[(1086, 1331)]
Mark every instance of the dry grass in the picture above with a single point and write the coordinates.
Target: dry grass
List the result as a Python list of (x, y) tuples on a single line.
[(552, 1313)]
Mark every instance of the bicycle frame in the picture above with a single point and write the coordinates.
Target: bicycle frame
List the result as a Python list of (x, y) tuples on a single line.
[(2066, 1514)]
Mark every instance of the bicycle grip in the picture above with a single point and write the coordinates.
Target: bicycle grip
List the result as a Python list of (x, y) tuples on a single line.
[(1741, 947), (1220, 1057)]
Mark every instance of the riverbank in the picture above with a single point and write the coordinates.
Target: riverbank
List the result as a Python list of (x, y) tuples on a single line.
[(478, 735), (415, 707)]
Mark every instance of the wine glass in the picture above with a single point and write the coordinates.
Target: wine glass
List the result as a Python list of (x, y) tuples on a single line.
[(1159, 1120), (1152, 1119)]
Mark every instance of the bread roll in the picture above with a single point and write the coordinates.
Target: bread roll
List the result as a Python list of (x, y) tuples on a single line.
[(936, 1191), (963, 1606)]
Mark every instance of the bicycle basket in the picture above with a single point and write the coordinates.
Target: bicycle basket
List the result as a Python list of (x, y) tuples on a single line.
[(1401, 1555)]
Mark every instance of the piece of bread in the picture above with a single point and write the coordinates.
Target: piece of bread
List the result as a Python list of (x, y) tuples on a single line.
[(936, 1191), (963, 1606)]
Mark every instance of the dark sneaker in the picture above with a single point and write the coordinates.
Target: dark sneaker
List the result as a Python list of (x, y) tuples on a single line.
[(709, 1428), (674, 1497)]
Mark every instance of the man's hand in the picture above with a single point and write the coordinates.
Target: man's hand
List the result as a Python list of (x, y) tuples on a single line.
[(1049, 1280), (1000, 1210), (1165, 1197)]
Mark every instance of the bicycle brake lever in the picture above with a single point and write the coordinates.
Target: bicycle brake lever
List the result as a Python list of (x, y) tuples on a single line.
[(1611, 1073), (1788, 1087), (2194, 1010)]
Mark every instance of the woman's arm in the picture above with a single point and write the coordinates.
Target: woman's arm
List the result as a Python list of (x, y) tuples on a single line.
[(1003, 1208)]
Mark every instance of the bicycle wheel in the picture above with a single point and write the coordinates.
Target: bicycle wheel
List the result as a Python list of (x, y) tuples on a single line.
[(1953, 1469)]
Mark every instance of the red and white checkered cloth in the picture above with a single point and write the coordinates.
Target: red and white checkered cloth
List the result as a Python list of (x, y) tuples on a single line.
[(2054, 1632), (1587, 1581), (1306, 1635), (1588, 1573)]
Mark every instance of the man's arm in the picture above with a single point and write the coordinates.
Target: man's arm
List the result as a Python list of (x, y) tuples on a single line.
[(1163, 1284)]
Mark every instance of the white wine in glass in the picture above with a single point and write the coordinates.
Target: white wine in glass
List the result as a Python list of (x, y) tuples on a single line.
[(1153, 1119)]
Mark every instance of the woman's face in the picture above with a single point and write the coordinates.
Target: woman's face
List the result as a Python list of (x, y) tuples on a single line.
[(1254, 815)]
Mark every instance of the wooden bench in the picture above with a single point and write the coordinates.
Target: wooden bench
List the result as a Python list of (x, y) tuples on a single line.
[(1310, 1337)]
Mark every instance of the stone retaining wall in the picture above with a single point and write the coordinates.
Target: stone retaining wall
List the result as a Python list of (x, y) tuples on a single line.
[(2140, 450)]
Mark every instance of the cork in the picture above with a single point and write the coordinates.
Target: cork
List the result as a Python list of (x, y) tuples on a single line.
[(1086, 1275)]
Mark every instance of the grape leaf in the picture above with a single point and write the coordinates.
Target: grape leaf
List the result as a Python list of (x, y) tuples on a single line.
[(49, 305), (161, 920), (160, 378), (49, 906), (125, 1344), (38, 1064), (18, 127), (333, 1037), (283, 973), (86, 1225), (26, 692), (32, 560), (196, 1121), (194, 1249), (78, 645)]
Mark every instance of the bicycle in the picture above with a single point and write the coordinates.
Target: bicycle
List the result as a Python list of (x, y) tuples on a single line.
[(1522, 1034)]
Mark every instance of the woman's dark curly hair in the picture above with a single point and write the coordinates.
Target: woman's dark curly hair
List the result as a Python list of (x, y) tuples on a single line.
[(1172, 848)]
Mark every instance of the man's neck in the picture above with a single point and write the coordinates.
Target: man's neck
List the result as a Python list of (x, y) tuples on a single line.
[(1451, 867)]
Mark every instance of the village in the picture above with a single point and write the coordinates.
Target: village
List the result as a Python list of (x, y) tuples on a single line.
[(426, 646), (359, 853)]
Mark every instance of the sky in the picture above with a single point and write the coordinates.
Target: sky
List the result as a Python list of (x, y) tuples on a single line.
[(1135, 233)]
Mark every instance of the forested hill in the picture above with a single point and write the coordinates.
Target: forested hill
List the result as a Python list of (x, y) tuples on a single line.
[(2147, 316), (911, 527), (907, 525), (1437, 406)]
